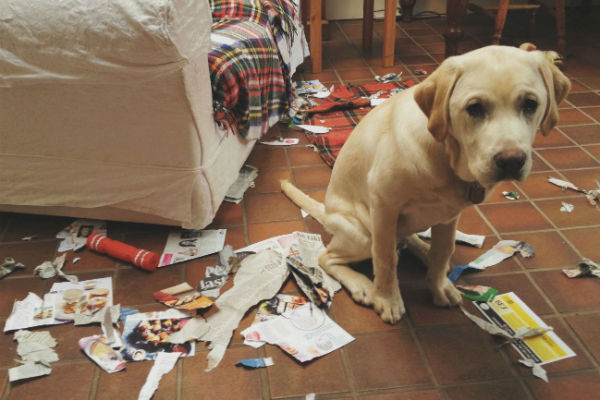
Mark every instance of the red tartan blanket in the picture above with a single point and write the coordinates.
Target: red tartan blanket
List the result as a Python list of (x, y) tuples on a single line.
[(341, 112)]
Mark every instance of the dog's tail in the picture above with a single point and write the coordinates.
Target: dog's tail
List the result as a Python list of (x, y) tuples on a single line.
[(304, 201)]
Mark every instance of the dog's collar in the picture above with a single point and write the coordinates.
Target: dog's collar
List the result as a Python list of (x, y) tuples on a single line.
[(473, 192)]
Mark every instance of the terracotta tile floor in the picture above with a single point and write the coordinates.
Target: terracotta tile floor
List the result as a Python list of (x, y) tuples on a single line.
[(432, 353)]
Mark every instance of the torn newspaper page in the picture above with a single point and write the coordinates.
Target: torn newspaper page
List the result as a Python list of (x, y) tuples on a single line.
[(99, 350), (279, 243), (84, 298), (461, 238), (75, 235), (194, 329), (260, 277), (185, 245), (530, 336), (217, 276), (36, 350), (163, 364), (9, 266), (303, 259), (500, 252), (586, 268), (245, 179), (146, 335), (183, 297), (271, 308), (32, 311), (305, 333)]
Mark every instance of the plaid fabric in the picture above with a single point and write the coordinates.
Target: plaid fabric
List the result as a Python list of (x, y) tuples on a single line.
[(250, 89), (341, 112), (251, 86)]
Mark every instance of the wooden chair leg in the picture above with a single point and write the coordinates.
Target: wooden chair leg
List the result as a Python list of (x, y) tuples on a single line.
[(500, 21), (367, 24)]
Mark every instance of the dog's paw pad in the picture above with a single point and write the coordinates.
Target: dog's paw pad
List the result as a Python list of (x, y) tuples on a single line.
[(391, 309), (446, 295)]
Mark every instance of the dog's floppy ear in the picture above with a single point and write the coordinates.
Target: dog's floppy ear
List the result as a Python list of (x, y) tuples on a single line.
[(433, 97), (557, 86)]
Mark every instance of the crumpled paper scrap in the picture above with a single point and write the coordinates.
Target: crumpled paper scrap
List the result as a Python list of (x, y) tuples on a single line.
[(36, 352)]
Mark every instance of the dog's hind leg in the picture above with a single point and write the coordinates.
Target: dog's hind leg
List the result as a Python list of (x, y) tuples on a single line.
[(418, 247), (442, 248)]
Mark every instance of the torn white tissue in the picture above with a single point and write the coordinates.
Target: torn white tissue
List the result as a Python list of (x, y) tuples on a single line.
[(564, 185), (472, 240), (314, 128), (566, 207), (260, 277), (163, 364), (36, 352)]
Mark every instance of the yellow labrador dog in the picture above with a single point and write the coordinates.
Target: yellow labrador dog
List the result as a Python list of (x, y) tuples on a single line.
[(418, 159)]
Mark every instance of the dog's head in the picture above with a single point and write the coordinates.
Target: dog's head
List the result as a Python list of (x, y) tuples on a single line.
[(487, 105)]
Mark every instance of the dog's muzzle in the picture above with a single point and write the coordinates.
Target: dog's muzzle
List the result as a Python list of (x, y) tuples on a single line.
[(509, 164)]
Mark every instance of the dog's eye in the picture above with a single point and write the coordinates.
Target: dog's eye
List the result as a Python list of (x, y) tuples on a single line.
[(476, 110), (529, 106)]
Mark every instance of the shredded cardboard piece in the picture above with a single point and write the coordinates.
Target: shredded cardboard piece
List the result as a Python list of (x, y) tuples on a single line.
[(36, 350), (163, 364), (99, 350), (460, 238), (305, 333), (75, 235), (585, 269), (186, 245), (256, 362), (566, 207), (260, 277), (509, 317), (9, 266), (183, 297), (500, 252), (245, 179)]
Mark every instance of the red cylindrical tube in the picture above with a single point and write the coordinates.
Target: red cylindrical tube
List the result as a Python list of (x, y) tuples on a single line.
[(142, 258)]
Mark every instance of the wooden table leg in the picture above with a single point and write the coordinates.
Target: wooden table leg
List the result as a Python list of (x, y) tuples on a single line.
[(456, 11), (316, 45), (389, 33)]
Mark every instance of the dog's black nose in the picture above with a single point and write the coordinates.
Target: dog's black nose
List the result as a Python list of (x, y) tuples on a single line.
[(509, 163)]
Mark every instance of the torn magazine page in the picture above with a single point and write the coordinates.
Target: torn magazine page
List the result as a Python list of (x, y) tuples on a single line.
[(461, 238), (529, 335), (279, 243), (309, 87), (185, 245), (99, 350), (500, 252), (272, 308), (84, 298), (245, 179), (305, 333), (183, 297), (75, 235), (260, 277), (303, 259), (163, 364), (585, 268), (146, 335), (32, 311)]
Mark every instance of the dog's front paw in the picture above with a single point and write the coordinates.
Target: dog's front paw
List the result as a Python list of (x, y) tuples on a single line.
[(390, 309), (445, 294)]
